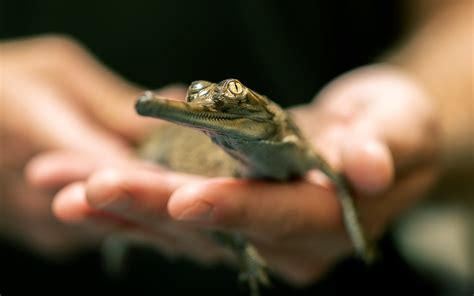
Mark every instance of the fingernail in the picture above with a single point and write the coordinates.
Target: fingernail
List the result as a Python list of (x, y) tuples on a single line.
[(201, 211)]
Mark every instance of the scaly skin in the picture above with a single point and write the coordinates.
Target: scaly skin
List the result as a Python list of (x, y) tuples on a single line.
[(257, 133)]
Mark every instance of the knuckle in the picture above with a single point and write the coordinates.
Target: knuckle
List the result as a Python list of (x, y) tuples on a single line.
[(106, 177), (58, 42), (102, 186), (55, 50)]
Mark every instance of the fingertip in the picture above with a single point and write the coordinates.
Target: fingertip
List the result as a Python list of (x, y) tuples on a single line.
[(56, 169), (70, 204), (368, 164)]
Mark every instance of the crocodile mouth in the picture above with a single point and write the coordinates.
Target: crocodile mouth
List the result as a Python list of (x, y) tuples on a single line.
[(192, 115)]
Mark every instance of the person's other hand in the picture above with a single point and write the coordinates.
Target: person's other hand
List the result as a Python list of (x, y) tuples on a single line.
[(58, 101)]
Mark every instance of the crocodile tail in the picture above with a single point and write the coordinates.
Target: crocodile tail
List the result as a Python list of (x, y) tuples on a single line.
[(362, 246), (365, 250)]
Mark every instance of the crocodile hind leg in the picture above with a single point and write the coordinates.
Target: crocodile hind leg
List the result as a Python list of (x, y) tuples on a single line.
[(253, 269)]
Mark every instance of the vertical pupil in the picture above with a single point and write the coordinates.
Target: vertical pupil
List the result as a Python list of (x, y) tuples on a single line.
[(235, 87)]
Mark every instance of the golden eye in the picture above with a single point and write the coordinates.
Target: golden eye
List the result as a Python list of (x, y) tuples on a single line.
[(235, 87), (198, 89)]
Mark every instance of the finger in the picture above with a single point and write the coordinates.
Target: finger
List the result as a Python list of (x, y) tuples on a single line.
[(411, 137), (386, 133), (107, 189), (399, 113), (43, 113), (141, 197), (368, 164), (107, 95), (117, 111), (71, 206), (59, 168), (274, 210), (388, 143), (133, 190), (408, 191)]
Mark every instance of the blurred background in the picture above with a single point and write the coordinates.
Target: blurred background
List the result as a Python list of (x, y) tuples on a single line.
[(285, 50)]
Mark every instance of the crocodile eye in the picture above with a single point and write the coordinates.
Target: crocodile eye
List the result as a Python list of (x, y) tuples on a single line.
[(196, 86), (198, 89), (235, 87)]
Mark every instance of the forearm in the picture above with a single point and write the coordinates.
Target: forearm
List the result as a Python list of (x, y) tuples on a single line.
[(439, 53)]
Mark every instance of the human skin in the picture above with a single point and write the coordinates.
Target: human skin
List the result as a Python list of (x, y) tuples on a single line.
[(378, 124)]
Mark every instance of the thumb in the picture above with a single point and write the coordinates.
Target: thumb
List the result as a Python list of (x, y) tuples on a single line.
[(368, 164), (109, 97), (257, 207)]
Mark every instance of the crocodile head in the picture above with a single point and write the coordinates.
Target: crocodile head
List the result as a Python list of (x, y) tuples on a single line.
[(225, 109)]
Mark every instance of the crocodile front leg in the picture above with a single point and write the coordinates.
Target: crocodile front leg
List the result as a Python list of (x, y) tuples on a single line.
[(253, 268)]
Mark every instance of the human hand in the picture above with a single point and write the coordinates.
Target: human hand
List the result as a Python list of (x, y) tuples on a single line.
[(59, 102)]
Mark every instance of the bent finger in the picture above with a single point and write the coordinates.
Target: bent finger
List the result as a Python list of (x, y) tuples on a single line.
[(59, 168), (105, 94), (135, 191), (268, 209)]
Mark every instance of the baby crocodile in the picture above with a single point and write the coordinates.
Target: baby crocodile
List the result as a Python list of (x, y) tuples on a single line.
[(253, 138)]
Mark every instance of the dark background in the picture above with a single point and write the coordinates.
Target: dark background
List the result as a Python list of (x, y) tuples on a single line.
[(284, 49)]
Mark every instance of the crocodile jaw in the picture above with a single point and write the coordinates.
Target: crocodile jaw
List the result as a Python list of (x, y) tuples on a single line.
[(195, 116)]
